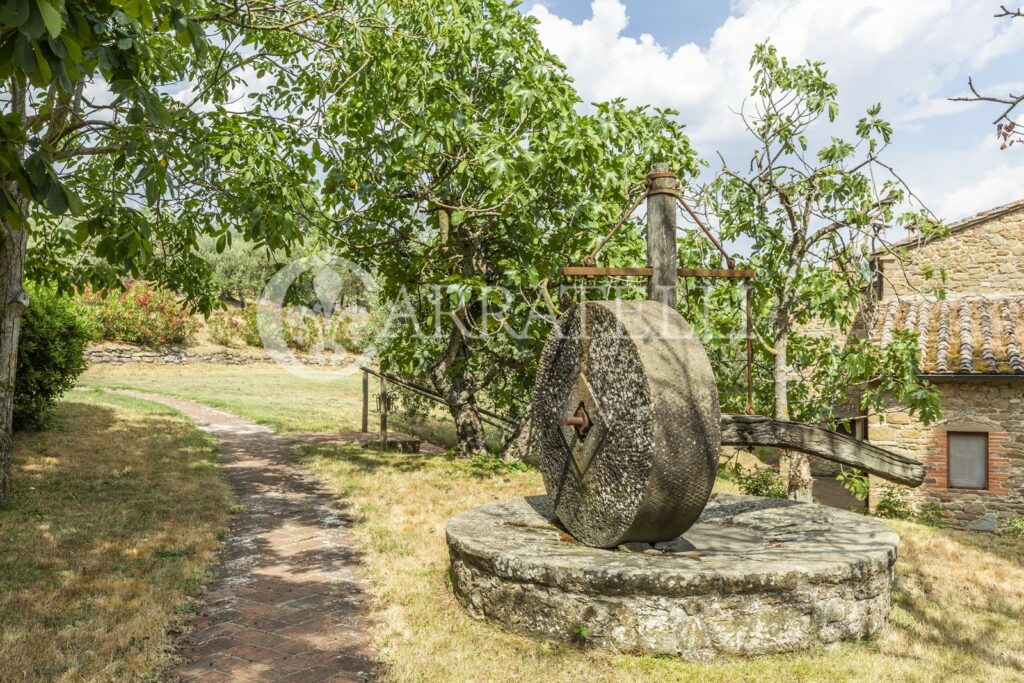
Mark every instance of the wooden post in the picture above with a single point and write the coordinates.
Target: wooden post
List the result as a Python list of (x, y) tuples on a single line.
[(366, 402), (747, 294), (661, 235), (383, 414)]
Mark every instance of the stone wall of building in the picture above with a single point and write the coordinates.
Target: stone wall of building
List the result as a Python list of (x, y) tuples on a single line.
[(982, 256), (995, 407)]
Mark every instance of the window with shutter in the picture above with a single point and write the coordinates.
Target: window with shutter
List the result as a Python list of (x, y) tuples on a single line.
[(968, 460)]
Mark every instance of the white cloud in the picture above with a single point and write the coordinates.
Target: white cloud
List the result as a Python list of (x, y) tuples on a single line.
[(238, 96), (990, 177), (904, 54), (910, 55)]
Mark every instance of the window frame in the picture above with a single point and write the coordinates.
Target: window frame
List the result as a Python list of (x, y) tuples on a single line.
[(949, 457)]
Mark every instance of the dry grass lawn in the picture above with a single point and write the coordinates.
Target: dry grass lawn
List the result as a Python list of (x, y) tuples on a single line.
[(268, 394), (958, 612), (115, 523)]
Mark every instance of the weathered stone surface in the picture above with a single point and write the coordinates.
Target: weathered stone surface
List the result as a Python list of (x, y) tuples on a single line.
[(753, 576), (987, 522), (645, 468)]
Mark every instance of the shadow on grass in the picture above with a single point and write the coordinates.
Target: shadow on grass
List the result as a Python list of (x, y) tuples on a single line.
[(112, 523), (981, 631), (480, 468), (1007, 548), (370, 461), (979, 642)]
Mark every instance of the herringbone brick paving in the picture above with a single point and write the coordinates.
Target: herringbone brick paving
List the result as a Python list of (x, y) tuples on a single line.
[(287, 602)]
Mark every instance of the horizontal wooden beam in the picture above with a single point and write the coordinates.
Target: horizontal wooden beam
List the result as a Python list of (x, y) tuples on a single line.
[(757, 430), (588, 271)]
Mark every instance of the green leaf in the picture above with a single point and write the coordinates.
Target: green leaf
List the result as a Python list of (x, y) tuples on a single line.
[(15, 12), (44, 73), (152, 190), (51, 17), (56, 200), (24, 57), (82, 232)]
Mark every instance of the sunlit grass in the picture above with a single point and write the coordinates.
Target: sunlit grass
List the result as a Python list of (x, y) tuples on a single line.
[(271, 395), (114, 524), (958, 612)]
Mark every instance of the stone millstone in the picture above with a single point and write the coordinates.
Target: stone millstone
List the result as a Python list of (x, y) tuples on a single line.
[(753, 576), (644, 468)]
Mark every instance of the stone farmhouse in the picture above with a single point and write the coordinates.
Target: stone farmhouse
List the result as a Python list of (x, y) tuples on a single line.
[(971, 346)]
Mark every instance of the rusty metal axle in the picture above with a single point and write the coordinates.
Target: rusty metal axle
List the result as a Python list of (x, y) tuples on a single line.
[(579, 421)]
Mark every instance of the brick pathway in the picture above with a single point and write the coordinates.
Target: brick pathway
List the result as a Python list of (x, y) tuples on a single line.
[(286, 604)]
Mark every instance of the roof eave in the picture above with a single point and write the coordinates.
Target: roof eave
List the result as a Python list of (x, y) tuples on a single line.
[(969, 377), (956, 227)]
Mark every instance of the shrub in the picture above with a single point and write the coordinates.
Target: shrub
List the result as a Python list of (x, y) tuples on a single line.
[(250, 330), (55, 331), (759, 481), (1012, 527), (355, 333), (142, 314), (893, 504), (930, 514), (303, 329), (224, 327), (300, 329)]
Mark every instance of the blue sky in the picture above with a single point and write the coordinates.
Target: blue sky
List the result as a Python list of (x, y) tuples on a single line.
[(910, 55), (672, 22)]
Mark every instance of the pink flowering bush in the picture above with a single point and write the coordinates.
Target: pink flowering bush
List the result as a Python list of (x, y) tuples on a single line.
[(141, 314)]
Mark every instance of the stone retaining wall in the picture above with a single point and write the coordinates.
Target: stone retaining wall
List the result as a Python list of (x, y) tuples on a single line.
[(119, 354), (168, 356)]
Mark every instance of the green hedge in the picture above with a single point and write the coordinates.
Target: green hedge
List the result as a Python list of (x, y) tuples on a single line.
[(51, 354)]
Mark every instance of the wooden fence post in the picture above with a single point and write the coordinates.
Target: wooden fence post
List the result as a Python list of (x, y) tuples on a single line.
[(384, 400), (366, 402)]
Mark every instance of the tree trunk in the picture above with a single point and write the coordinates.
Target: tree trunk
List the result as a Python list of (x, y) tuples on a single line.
[(794, 466), (13, 303), (469, 429), (450, 380), (450, 375), (520, 448)]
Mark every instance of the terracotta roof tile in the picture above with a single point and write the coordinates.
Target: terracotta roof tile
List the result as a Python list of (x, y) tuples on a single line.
[(1012, 344), (963, 324), (924, 313), (968, 334)]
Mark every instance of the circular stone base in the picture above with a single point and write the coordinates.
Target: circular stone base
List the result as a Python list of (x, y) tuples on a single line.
[(752, 576)]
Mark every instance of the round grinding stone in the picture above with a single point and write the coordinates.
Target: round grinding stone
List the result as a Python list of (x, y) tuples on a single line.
[(640, 464)]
